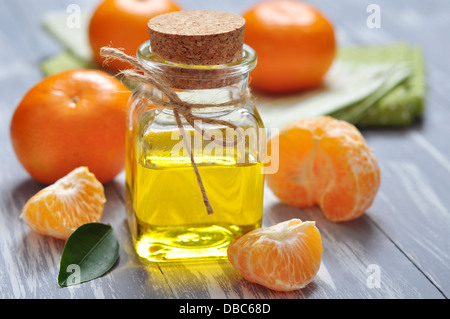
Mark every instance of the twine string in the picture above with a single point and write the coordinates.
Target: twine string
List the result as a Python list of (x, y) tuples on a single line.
[(141, 74)]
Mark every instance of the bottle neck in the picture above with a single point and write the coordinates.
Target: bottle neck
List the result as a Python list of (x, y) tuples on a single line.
[(234, 91), (197, 84)]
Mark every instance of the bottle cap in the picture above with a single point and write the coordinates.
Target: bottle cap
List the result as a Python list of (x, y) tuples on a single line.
[(197, 37)]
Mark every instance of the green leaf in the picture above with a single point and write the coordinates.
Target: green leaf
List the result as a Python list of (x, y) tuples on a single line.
[(89, 253)]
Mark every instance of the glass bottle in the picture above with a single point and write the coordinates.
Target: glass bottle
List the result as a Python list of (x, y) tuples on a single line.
[(165, 209)]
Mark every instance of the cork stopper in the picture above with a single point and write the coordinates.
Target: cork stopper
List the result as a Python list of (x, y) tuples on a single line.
[(197, 37)]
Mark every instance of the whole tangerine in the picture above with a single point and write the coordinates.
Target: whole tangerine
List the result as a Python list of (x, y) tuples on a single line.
[(123, 24), (71, 119), (295, 44)]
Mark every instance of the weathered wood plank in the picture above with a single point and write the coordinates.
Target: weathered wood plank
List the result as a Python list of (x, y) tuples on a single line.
[(352, 253), (412, 208), (29, 262), (405, 232), (422, 146)]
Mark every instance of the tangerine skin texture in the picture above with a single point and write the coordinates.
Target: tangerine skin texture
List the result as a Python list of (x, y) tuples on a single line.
[(325, 162), (295, 44), (123, 24), (71, 119), (283, 257)]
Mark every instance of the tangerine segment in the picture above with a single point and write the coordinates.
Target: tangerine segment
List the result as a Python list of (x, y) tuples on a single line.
[(325, 162), (282, 257), (57, 210)]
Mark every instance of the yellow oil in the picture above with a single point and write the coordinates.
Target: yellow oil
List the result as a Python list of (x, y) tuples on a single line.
[(166, 211)]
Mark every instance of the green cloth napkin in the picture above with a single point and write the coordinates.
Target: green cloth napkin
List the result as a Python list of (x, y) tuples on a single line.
[(366, 86), (402, 104)]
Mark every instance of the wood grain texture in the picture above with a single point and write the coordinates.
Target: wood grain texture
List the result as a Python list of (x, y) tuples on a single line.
[(405, 234)]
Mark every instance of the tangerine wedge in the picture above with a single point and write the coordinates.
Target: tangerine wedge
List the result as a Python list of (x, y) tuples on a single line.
[(283, 257), (57, 210)]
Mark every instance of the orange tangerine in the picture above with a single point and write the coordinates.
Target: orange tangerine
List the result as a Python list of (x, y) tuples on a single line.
[(325, 162), (71, 119), (295, 43), (123, 24), (57, 210), (282, 257)]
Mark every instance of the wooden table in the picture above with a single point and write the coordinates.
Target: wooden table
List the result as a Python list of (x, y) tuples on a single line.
[(403, 239)]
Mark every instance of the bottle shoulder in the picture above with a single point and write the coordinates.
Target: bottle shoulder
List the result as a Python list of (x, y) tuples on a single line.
[(144, 112)]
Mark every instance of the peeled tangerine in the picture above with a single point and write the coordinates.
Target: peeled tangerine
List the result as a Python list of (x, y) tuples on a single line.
[(282, 257), (59, 209), (325, 162)]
